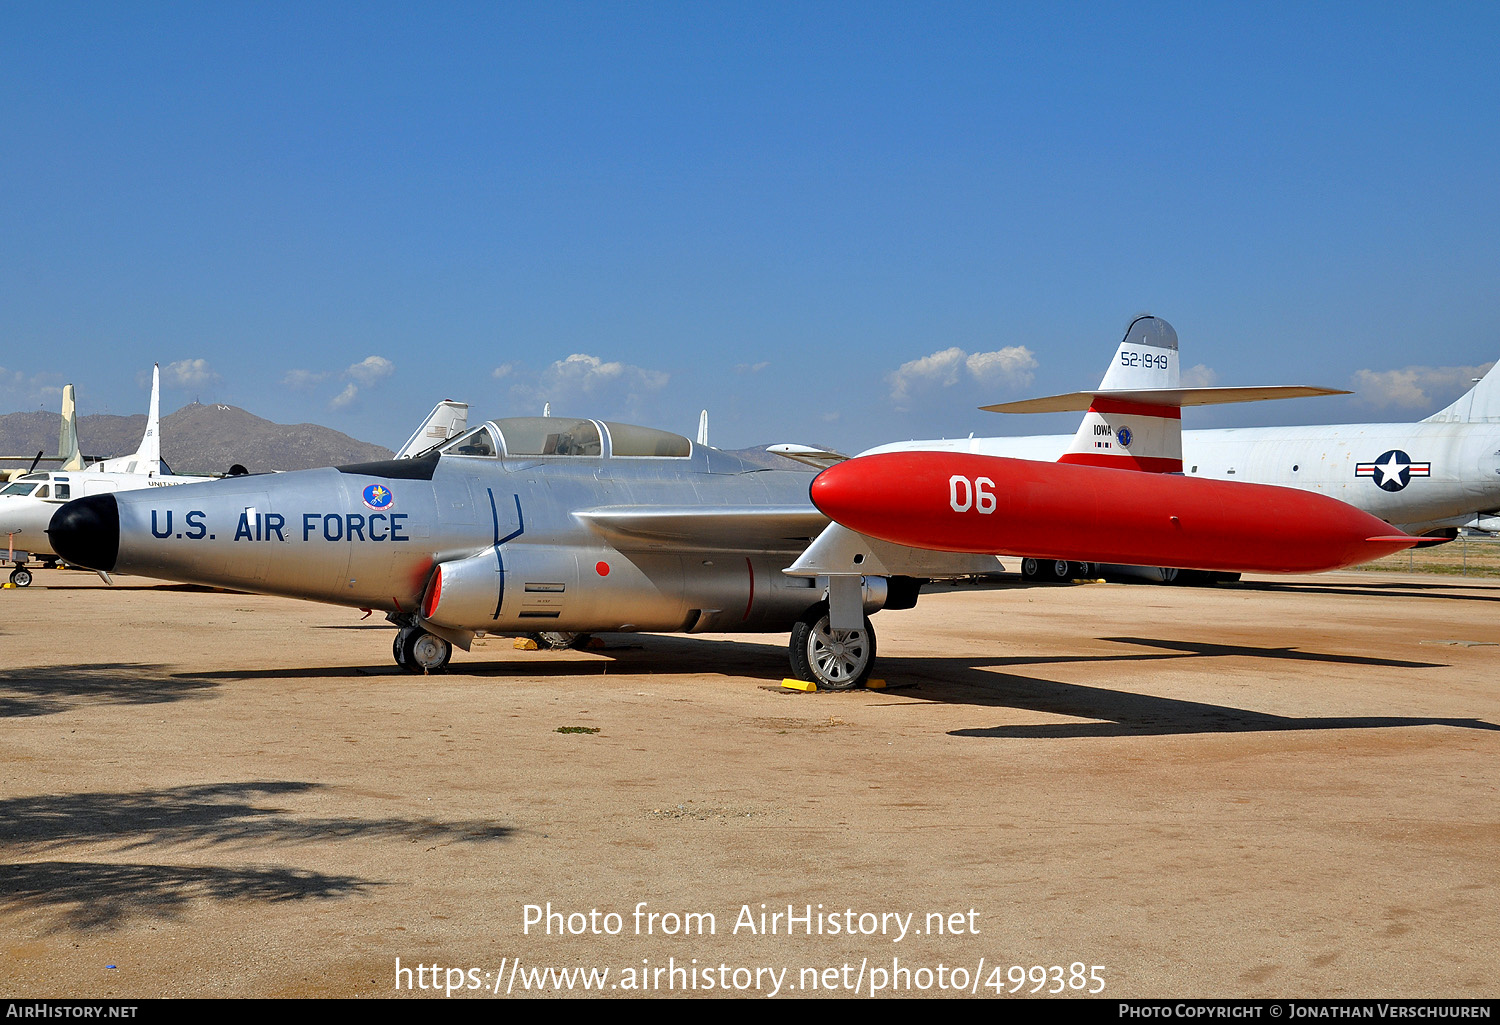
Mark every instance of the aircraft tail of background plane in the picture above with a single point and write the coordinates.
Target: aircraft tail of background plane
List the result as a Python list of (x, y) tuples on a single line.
[(147, 458), (448, 419), (68, 454), (1133, 420), (1480, 404), (67, 436)]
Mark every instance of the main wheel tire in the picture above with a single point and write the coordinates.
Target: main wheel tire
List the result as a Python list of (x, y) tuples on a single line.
[(558, 640), (21, 576), (425, 652), (1031, 569), (832, 659), (1062, 570), (398, 648)]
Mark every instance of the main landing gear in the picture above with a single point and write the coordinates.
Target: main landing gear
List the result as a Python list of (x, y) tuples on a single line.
[(418, 651), (832, 659)]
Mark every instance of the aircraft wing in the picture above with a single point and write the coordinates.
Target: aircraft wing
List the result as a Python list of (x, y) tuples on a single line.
[(766, 529), (1082, 400)]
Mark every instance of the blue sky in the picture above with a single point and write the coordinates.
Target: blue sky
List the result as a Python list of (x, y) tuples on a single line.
[(833, 223)]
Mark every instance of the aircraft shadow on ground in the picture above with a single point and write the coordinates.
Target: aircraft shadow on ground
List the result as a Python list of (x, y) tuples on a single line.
[(104, 895), (1128, 714), (1382, 589), (48, 690), (968, 680)]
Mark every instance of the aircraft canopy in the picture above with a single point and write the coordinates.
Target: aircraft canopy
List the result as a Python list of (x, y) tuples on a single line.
[(561, 436)]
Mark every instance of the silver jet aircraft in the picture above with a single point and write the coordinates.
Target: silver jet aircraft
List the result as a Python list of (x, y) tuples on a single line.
[(520, 525)]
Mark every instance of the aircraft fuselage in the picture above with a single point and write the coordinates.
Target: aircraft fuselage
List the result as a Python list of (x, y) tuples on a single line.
[(529, 544)]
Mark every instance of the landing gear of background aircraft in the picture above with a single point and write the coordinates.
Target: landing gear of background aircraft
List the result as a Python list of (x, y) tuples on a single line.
[(21, 576), (832, 659), (418, 651), (1058, 571)]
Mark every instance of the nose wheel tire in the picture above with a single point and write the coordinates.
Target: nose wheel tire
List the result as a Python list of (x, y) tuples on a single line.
[(21, 576), (418, 651), (832, 659)]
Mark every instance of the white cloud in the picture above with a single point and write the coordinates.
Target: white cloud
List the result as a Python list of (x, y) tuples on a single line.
[(585, 374), (583, 384), (301, 380), (1011, 366), (44, 388), (1415, 388), (503, 370), (751, 368), (1199, 376), (188, 373), (371, 369), (344, 397)]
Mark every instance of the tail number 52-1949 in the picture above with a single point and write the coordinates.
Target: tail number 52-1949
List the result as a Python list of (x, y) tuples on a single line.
[(978, 494)]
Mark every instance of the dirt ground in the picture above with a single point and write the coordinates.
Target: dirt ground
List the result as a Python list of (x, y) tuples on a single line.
[(1284, 788)]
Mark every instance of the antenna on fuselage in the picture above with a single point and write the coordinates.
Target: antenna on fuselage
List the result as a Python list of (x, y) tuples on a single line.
[(703, 428), (546, 409)]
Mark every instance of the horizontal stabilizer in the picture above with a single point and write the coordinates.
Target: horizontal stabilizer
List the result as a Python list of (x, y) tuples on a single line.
[(766, 529), (1082, 400), (819, 457)]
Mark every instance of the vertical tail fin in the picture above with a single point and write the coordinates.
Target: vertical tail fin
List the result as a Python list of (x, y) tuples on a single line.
[(1134, 433), (703, 428), (67, 436), (448, 419), (148, 456), (1480, 404)]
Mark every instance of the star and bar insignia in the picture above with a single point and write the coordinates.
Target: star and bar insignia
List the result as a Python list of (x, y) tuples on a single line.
[(1393, 470)]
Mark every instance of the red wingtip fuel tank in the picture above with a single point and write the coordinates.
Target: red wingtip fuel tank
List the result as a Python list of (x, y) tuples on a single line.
[(956, 502)]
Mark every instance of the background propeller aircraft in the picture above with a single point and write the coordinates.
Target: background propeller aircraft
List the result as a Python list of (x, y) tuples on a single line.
[(28, 502)]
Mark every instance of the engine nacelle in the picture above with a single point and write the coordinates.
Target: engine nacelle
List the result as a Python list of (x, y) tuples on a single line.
[(532, 588), (464, 592)]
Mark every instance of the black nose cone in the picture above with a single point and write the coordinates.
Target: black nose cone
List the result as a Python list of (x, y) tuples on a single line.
[(86, 532)]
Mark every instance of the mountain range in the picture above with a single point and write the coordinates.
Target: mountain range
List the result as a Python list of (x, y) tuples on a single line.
[(196, 439)]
